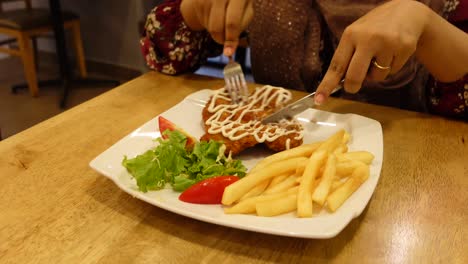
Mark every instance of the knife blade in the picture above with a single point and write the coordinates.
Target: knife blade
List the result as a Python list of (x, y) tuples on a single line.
[(299, 106), (289, 111)]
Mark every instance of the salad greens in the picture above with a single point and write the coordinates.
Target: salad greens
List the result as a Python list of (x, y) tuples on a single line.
[(171, 163)]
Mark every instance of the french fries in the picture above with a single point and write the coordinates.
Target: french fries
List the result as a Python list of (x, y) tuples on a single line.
[(346, 138), (324, 173), (304, 196), (236, 190), (247, 206), (258, 189), (287, 183), (343, 148), (362, 156), (339, 196), (277, 206), (333, 142), (276, 180), (345, 168), (322, 190), (301, 151), (336, 184)]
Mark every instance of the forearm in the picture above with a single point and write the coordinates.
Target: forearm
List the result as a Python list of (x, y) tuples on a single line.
[(443, 49)]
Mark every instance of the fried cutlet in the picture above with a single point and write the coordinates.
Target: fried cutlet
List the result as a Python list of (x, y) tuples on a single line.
[(239, 125)]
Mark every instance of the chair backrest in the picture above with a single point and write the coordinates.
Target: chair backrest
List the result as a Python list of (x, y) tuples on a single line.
[(27, 3)]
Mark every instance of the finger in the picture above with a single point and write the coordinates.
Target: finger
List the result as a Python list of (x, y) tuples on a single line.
[(336, 70), (248, 15), (399, 61), (376, 73), (407, 48), (246, 19), (234, 13), (203, 13), (216, 20), (357, 70)]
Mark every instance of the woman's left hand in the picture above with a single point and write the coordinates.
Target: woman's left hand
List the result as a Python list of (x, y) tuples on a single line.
[(374, 46)]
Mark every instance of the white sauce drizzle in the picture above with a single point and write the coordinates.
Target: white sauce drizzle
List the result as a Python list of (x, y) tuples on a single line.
[(233, 128)]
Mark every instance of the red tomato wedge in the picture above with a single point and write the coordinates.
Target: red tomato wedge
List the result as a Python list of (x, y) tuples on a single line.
[(209, 191), (165, 124)]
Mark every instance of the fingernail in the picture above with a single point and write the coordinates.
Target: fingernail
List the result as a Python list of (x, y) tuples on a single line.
[(319, 98), (228, 51)]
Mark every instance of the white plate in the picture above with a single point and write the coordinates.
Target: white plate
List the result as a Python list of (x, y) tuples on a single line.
[(366, 135)]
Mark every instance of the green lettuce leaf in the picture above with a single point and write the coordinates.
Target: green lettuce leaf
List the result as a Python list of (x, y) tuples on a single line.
[(182, 182), (146, 170), (172, 155), (171, 163)]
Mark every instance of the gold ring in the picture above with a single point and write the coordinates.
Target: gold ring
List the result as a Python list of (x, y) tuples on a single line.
[(385, 68)]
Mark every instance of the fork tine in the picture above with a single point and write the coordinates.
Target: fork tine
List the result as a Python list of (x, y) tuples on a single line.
[(236, 85), (231, 90), (236, 82), (244, 89), (240, 82)]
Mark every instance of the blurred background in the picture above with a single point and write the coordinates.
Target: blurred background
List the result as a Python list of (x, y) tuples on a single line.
[(110, 31)]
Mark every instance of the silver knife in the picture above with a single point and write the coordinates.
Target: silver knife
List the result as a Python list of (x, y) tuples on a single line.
[(289, 111)]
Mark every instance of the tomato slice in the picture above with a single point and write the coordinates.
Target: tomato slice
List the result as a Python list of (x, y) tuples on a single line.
[(209, 191), (165, 124)]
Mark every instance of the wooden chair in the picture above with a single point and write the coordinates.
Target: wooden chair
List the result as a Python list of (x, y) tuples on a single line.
[(22, 25)]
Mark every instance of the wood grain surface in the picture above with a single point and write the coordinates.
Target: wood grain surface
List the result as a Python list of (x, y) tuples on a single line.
[(55, 209)]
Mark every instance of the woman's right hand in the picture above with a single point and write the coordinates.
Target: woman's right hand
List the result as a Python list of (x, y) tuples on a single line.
[(223, 19)]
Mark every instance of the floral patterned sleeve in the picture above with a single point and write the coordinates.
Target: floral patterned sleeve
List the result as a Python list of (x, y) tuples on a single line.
[(169, 46), (451, 99)]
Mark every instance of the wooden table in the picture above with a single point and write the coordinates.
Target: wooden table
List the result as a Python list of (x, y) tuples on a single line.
[(54, 208)]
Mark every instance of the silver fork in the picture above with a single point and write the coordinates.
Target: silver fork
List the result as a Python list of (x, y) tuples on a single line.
[(236, 86)]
